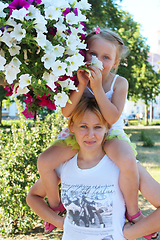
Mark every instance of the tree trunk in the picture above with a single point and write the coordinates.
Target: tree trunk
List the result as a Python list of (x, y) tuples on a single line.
[(146, 114), (0, 113)]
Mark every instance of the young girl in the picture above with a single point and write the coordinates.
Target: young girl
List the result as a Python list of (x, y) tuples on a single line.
[(90, 189), (110, 92)]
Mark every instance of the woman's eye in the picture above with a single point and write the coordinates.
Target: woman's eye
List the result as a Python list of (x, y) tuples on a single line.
[(97, 127), (83, 126)]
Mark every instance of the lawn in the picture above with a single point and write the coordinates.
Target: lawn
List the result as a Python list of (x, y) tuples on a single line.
[(149, 158)]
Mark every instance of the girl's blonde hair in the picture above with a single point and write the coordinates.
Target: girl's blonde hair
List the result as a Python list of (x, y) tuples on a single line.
[(84, 105), (112, 37)]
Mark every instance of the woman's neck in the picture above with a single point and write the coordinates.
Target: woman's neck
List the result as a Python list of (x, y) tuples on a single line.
[(86, 160)]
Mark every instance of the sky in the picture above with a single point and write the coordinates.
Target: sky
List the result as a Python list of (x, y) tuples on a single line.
[(146, 13)]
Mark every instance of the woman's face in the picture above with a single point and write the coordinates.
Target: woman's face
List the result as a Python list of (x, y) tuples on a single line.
[(89, 132)]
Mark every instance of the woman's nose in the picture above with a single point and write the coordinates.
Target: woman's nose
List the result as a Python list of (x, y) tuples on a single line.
[(90, 132)]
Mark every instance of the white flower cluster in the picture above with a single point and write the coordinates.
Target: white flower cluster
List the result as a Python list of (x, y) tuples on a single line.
[(60, 57)]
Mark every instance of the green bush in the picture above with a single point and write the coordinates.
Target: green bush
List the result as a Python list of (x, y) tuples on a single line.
[(147, 141), (19, 149)]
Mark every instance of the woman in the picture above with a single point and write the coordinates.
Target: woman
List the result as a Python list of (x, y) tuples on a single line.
[(90, 189)]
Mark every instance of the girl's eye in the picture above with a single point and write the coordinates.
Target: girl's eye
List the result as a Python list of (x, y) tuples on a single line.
[(93, 54), (105, 57)]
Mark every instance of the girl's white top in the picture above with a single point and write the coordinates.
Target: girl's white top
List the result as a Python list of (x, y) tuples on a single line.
[(120, 122), (94, 203)]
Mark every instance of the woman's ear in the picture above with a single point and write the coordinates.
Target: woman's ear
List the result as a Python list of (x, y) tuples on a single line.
[(71, 127)]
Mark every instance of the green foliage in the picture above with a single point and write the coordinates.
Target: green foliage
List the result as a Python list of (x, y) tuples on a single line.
[(20, 147), (147, 141)]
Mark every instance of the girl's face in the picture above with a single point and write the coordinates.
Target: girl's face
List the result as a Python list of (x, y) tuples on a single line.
[(89, 132), (105, 51)]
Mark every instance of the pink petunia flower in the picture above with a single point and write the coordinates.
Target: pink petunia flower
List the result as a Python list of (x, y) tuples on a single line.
[(28, 114), (18, 4)]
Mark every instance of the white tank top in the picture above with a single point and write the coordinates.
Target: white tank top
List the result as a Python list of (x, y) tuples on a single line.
[(120, 122)]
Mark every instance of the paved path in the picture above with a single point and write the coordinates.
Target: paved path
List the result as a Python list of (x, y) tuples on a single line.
[(142, 127)]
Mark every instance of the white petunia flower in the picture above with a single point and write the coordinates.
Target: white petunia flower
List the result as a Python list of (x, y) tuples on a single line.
[(72, 42), (40, 23), (15, 49), (59, 68), (48, 59), (95, 61), (75, 61), (61, 4), (32, 12), (51, 79), (6, 38), (24, 90), (41, 39), (2, 6), (2, 63), (52, 13), (18, 33), (61, 99), (60, 28), (58, 51), (46, 3), (81, 17), (83, 5), (25, 80), (11, 73), (48, 47), (11, 22), (68, 84), (71, 18), (19, 14), (15, 62)]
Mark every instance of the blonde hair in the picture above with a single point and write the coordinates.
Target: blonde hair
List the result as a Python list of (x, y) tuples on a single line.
[(84, 105), (112, 37)]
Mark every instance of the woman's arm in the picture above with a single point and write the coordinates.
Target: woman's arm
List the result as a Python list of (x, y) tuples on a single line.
[(35, 200), (150, 189)]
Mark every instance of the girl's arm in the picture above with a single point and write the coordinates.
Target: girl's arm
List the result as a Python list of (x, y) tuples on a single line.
[(150, 189), (35, 200), (110, 110), (76, 96)]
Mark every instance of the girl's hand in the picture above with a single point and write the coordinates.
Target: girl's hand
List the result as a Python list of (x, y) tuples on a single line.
[(83, 77), (95, 77), (126, 234), (60, 223)]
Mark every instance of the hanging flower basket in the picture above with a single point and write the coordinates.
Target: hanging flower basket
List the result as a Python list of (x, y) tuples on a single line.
[(41, 48)]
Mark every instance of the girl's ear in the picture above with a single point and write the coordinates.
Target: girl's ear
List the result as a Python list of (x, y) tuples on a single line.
[(115, 65)]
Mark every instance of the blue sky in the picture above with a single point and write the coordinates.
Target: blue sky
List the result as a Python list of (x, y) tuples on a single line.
[(145, 12)]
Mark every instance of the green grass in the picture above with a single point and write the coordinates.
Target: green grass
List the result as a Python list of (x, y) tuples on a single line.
[(149, 158)]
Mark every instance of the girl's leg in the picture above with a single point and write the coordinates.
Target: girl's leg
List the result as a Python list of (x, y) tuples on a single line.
[(47, 162), (121, 153), (150, 189)]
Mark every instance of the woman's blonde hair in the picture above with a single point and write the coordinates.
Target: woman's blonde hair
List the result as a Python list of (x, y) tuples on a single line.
[(112, 37), (84, 105)]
